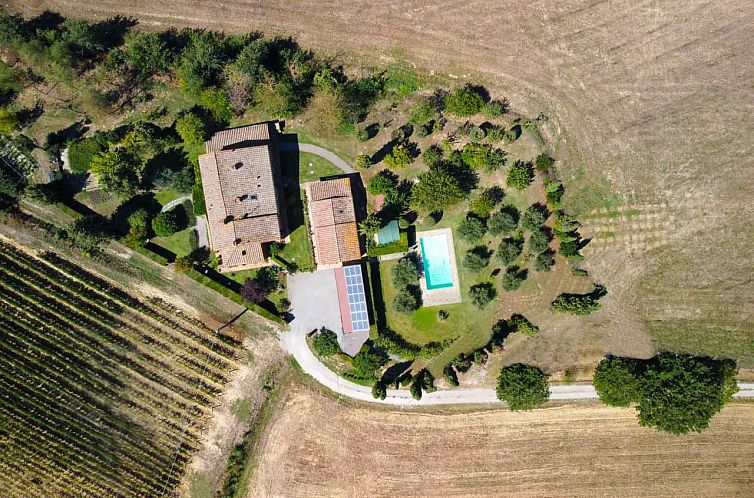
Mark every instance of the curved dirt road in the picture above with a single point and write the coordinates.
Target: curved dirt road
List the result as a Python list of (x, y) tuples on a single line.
[(294, 341)]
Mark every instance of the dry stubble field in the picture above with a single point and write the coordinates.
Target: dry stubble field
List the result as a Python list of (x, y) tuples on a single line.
[(576, 450)]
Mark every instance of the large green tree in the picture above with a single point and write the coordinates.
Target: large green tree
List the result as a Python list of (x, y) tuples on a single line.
[(681, 393), (146, 53), (437, 189), (522, 387), (617, 381), (117, 171)]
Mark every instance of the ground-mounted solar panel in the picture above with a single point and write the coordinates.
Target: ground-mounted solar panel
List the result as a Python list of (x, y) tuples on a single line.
[(357, 302)]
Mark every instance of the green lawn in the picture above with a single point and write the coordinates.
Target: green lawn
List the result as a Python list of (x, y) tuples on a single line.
[(99, 201), (165, 196), (305, 167), (299, 249), (471, 326), (314, 167), (179, 243), (241, 276)]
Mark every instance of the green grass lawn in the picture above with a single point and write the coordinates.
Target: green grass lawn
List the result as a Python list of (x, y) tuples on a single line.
[(241, 276), (165, 196), (313, 167), (305, 167), (179, 243), (99, 201), (471, 326), (299, 249)]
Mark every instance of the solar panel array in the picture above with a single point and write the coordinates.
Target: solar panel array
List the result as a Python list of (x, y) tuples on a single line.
[(357, 301)]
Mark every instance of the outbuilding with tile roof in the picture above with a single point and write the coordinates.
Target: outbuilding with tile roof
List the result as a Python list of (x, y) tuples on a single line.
[(332, 220)]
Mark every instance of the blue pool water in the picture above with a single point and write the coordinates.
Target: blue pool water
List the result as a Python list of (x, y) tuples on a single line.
[(436, 259)]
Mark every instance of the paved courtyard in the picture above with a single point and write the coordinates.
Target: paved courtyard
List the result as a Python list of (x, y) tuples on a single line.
[(314, 304)]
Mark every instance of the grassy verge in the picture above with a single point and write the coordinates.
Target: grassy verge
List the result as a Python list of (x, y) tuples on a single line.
[(242, 458), (341, 364), (233, 296)]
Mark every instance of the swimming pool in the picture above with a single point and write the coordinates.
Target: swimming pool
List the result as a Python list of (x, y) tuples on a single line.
[(438, 271)]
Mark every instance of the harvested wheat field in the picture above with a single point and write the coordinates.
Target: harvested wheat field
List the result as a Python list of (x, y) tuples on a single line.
[(578, 450)]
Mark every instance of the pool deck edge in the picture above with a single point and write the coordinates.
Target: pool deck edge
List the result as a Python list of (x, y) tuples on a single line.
[(444, 295)]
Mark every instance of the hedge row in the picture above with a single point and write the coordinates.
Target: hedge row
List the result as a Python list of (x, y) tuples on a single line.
[(398, 246)]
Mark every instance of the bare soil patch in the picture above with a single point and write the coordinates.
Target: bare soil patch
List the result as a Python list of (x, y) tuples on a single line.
[(317, 447)]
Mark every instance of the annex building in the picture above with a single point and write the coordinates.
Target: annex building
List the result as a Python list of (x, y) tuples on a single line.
[(332, 219)]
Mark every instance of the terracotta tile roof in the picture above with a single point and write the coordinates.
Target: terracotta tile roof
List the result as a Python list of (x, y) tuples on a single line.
[(326, 246), (332, 211), (333, 221), (340, 187), (243, 192), (348, 241), (236, 137), (250, 254)]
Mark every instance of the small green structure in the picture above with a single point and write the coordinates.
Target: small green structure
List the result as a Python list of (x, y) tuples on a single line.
[(388, 234)]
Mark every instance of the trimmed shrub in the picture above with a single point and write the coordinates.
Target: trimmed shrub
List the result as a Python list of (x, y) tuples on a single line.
[(81, 153), (485, 202), (508, 250), (383, 182), (520, 324), (520, 175), (191, 129), (450, 376), (534, 217), (545, 260), (495, 108), (465, 101), (139, 219), (504, 221), (483, 157), (379, 390), (544, 163), (406, 301), (399, 157), (476, 259), (579, 304), (364, 161), (432, 155), (405, 273), (325, 343), (539, 241), (416, 389), (513, 278)]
